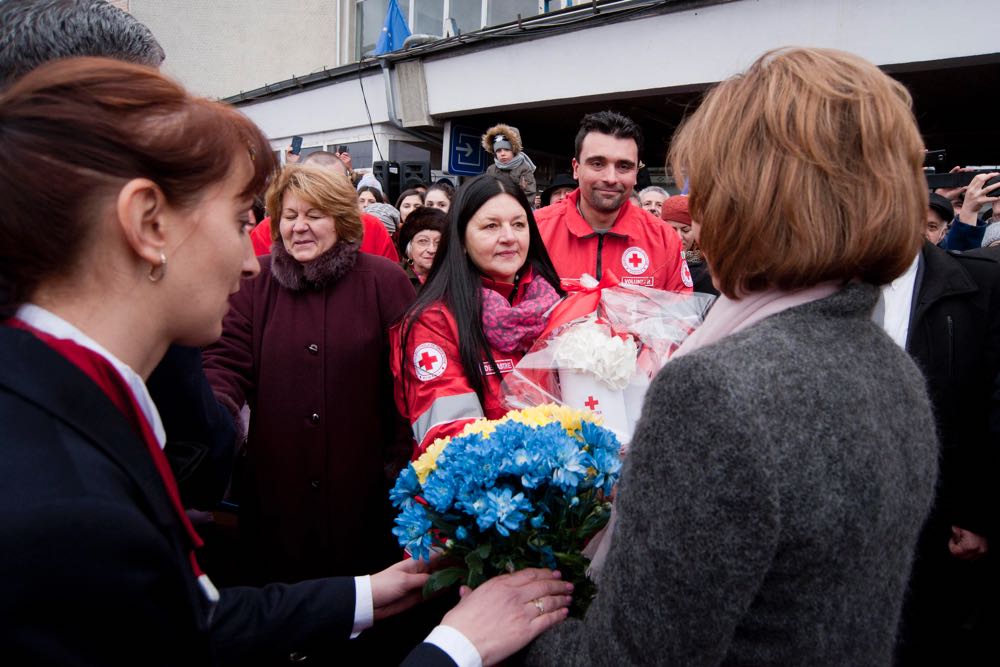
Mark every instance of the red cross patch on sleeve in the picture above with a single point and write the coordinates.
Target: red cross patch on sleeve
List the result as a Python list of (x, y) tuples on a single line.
[(430, 361)]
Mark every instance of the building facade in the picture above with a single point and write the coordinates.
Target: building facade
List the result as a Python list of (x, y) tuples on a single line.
[(305, 67)]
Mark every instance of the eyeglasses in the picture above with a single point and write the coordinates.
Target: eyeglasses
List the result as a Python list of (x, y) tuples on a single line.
[(424, 243)]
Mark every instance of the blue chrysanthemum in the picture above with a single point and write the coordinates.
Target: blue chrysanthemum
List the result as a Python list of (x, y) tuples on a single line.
[(439, 491), (570, 465), (504, 510), (407, 486), (608, 465), (413, 530), (599, 438)]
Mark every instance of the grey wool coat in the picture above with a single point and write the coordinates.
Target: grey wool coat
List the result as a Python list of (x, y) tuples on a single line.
[(770, 503)]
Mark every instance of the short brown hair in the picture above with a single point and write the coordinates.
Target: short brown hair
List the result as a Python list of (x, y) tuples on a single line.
[(76, 130), (328, 191), (804, 169)]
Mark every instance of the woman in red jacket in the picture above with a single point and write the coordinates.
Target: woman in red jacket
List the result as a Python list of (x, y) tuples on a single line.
[(481, 309)]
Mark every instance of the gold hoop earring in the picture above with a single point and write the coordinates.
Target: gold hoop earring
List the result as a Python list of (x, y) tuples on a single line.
[(156, 272)]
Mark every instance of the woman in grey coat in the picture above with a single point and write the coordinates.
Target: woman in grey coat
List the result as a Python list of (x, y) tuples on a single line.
[(786, 457)]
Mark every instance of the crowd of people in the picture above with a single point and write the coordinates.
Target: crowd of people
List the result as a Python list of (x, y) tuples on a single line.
[(812, 481)]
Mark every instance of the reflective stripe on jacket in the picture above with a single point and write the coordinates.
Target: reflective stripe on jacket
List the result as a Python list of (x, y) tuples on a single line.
[(431, 389)]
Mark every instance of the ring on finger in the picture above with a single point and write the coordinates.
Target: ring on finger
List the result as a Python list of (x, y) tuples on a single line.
[(539, 605)]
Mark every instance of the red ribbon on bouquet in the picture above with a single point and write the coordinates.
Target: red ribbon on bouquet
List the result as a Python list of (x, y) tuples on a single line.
[(580, 301)]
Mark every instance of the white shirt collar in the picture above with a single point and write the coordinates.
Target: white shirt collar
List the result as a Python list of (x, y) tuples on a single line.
[(898, 299), (55, 326)]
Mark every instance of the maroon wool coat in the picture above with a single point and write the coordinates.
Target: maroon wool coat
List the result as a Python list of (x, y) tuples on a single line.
[(324, 435)]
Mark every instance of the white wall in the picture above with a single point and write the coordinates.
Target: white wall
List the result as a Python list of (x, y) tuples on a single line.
[(340, 105), (221, 47), (705, 45)]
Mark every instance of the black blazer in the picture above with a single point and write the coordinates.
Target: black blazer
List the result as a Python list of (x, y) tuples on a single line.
[(202, 438), (94, 564)]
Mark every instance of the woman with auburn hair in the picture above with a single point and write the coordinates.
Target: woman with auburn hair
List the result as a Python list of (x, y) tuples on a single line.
[(786, 457), (145, 192), (305, 347)]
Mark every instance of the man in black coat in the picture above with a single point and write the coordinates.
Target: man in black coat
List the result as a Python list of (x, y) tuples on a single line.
[(954, 336)]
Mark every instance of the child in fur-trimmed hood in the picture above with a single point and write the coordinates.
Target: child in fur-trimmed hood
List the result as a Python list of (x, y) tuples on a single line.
[(503, 142)]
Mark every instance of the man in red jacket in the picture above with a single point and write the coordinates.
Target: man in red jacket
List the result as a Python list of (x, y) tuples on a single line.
[(376, 241), (596, 229)]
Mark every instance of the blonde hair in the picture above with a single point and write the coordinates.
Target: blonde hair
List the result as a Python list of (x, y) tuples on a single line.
[(328, 191), (806, 168)]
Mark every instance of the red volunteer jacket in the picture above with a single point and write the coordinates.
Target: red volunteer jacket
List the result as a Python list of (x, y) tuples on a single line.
[(375, 241), (639, 248), (431, 389)]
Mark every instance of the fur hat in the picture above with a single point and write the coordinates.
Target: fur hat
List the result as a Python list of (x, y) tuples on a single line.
[(421, 219), (503, 134)]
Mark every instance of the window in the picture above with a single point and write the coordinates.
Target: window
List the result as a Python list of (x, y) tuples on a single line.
[(361, 153), (468, 14), (404, 151), (371, 18), (429, 16), (306, 150), (506, 11), (429, 19)]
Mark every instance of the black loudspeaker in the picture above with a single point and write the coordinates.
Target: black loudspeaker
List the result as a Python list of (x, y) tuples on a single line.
[(388, 175), (415, 171)]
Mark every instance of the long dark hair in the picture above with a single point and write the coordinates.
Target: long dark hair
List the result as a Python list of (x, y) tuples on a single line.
[(455, 282)]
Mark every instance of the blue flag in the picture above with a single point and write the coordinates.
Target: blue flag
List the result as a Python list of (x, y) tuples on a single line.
[(394, 32)]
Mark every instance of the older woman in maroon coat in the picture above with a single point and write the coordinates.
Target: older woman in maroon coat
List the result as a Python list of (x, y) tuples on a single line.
[(305, 346)]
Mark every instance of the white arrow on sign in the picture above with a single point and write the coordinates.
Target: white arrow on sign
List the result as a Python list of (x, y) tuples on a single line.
[(465, 149)]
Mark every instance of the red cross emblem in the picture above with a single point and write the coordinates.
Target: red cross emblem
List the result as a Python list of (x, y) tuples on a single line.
[(635, 260), (591, 402), (429, 361), (686, 273)]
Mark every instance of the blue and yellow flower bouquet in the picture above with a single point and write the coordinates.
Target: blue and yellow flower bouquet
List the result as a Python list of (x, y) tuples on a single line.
[(527, 490)]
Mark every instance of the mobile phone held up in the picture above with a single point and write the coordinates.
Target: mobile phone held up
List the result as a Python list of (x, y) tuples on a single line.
[(341, 148), (296, 145)]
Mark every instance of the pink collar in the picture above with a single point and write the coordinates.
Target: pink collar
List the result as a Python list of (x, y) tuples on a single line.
[(727, 316)]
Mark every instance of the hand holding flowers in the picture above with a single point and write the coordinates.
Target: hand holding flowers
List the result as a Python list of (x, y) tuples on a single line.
[(527, 490)]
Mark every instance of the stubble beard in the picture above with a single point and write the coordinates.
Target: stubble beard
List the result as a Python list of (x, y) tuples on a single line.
[(605, 205)]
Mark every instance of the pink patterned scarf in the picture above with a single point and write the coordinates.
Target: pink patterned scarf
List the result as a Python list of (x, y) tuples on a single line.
[(514, 328)]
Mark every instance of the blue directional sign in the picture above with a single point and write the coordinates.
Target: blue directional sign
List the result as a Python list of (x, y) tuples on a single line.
[(467, 157)]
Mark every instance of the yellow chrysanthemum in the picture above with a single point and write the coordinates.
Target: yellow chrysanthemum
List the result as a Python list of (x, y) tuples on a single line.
[(483, 427), (567, 417), (571, 420), (427, 462)]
